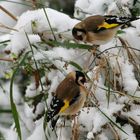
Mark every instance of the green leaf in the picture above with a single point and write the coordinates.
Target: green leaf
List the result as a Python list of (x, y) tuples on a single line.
[(5, 111), (13, 106), (76, 65), (120, 32), (69, 45)]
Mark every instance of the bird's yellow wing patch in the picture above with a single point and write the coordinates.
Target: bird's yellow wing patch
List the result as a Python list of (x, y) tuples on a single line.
[(107, 25), (66, 105)]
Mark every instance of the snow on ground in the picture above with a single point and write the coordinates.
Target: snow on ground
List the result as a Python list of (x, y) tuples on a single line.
[(116, 64)]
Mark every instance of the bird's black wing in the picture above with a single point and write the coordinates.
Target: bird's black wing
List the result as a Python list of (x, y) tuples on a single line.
[(119, 20), (55, 107), (53, 122)]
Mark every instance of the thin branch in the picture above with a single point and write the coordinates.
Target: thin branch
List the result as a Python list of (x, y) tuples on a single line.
[(98, 55), (117, 137), (5, 41), (49, 24), (15, 2), (6, 59), (35, 61), (7, 27), (8, 13)]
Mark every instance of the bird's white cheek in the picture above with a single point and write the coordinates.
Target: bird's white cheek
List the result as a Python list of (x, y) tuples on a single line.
[(84, 37), (79, 33)]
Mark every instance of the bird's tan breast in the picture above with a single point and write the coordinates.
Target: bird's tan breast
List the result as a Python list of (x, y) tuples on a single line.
[(100, 37), (74, 108)]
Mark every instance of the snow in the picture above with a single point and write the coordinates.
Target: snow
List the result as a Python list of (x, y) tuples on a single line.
[(129, 130), (38, 133), (120, 61), (84, 8), (63, 133), (103, 137), (39, 109), (9, 134), (19, 42), (5, 96), (90, 135), (31, 90), (37, 23), (131, 35), (129, 82), (90, 7), (15, 9), (88, 122)]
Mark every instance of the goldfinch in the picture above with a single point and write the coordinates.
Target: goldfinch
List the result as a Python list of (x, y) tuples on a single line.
[(69, 97), (99, 29)]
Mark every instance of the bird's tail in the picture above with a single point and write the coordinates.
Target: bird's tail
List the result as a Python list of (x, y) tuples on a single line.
[(120, 20), (50, 116), (128, 19), (53, 122)]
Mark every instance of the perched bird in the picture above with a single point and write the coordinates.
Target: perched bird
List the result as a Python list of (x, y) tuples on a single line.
[(69, 97), (99, 29)]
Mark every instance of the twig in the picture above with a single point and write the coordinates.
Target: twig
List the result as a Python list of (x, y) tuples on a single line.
[(49, 24), (114, 131), (8, 13), (98, 55), (4, 26), (6, 59), (132, 59), (75, 134)]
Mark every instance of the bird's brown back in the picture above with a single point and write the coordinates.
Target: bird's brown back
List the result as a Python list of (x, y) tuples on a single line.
[(93, 20), (67, 89)]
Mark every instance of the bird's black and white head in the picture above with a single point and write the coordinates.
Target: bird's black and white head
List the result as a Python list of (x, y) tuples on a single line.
[(80, 78), (78, 32)]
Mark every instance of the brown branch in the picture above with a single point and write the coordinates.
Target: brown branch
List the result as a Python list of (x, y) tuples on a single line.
[(4, 26), (114, 131), (6, 59), (8, 13)]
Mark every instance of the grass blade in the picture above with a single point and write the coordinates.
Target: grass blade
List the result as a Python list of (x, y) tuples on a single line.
[(13, 106), (69, 45), (76, 65), (2, 42)]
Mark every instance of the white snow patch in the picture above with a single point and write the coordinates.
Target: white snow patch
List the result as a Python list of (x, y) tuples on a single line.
[(5, 96), (38, 133), (9, 134)]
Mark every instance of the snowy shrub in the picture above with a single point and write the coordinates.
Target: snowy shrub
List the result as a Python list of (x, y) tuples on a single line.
[(37, 54)]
